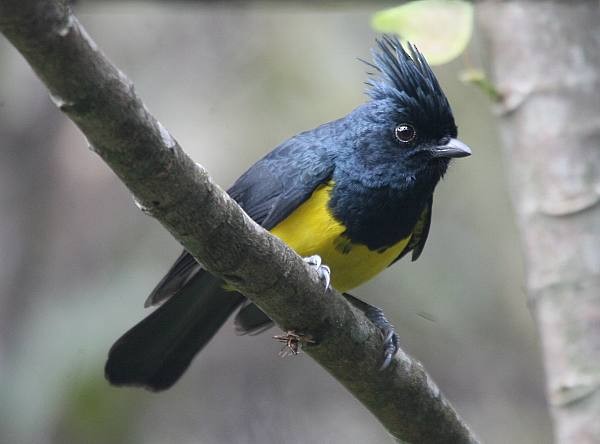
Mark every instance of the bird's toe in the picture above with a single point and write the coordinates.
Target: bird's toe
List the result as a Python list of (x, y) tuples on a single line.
[(390, 346), (322, 270), (377, 317)]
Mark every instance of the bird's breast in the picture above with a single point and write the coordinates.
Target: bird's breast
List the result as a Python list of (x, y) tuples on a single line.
[(312, 229)]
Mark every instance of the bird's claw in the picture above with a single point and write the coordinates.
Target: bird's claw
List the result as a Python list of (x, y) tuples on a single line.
[(377, 317), (390, 346), (293, 342), (322, 270)]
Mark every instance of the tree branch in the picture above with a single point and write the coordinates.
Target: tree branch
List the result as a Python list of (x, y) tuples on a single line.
[(210, 225), (550, 121)]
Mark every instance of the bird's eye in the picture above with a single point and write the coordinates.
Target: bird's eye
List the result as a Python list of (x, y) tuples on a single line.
[(405, 133)]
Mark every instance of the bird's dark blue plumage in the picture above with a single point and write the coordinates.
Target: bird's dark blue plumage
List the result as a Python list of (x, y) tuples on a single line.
[(410, 81), (357, 191)]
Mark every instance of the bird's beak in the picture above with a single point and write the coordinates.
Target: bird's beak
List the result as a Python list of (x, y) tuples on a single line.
[(454, 148)]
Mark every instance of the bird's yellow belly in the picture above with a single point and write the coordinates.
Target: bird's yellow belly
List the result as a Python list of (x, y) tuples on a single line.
[(312, 229)]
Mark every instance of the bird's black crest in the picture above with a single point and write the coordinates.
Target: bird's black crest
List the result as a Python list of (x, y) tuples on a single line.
[(408, 79)]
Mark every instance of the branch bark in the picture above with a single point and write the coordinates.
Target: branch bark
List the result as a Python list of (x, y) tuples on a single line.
[(182, 197), (548, 74)]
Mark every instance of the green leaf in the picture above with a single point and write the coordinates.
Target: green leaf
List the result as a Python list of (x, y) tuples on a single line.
[(441, 29)]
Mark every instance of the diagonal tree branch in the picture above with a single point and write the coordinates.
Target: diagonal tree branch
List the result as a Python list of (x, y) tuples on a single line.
[(182, 197)]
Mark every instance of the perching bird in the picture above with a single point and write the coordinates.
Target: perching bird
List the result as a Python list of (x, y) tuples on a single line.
[(357, 192)]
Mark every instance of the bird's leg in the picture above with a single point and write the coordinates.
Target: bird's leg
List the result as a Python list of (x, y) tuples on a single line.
[(293, 342), (322, 270), (377, 317)]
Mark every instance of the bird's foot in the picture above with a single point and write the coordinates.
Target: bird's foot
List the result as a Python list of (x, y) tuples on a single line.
[(377, 317), (322, 270), (293, 342), (390, 338)]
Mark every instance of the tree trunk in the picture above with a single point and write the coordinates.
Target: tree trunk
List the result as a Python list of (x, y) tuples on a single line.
[(546, 60)]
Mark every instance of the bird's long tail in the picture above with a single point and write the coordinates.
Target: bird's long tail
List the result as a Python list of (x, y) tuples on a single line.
[(155, 353)]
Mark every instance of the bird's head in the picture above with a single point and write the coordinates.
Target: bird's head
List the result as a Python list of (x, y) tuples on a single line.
[(407, 130)]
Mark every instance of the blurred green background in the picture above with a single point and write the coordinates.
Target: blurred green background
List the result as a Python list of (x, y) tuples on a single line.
[(77, 258)]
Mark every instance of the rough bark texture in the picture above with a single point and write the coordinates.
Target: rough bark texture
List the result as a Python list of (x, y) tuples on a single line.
[(169, 186), (546, 60)]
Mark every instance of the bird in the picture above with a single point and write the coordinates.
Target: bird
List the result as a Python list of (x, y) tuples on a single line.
[(353, 196)]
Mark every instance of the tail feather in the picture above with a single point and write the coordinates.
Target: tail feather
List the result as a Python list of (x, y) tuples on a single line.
[(251, 320), (181, 272), (157, 351)]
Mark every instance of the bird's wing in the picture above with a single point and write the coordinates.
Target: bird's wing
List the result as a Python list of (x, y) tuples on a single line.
[(268, 192), (419, 233), (277, 184), (180, 273)]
